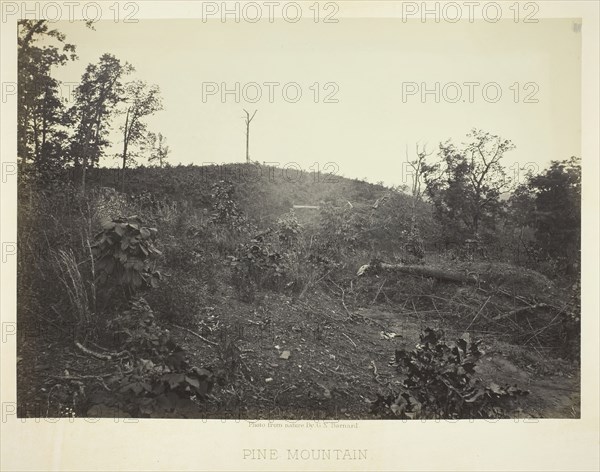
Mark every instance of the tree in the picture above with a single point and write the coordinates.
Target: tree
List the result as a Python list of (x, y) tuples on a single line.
[(248, 121), (418, 167), (96, 97), (466, 185), (141, 100), (556, 213), (40, 117), (159, 149)]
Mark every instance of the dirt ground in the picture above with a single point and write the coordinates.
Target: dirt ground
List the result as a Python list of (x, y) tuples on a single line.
[(285, 358)]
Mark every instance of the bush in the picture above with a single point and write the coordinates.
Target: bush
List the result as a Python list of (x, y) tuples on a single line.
[(257, 264), (160, 382), (225, 209), (276, 259), (439, 383), (122, 252)]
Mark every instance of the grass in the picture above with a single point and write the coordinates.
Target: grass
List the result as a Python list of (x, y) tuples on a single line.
[(74, 286)]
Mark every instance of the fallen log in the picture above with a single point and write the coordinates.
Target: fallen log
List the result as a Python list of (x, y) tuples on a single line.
[(518, 283), (425, 271)]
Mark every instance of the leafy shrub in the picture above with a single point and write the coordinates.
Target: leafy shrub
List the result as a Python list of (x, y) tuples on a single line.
[(413, 244), (257, 264), (159, 382), (341, 229), (123, 251), (439, 382), (225, 210), (135, 330), (288, 229)]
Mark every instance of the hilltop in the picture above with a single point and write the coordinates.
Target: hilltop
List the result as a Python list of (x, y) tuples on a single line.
[(263, 192)]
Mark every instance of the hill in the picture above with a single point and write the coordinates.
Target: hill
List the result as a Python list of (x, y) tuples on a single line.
[(200, 292), (263, 192)]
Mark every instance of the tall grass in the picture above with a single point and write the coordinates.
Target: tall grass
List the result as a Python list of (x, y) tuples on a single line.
[(74, 285)]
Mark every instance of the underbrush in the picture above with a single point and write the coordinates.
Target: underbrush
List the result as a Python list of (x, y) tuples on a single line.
[(118, 271), (155, 378), (439, 382)]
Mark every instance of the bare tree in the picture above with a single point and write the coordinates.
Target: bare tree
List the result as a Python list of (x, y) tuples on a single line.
[(418, 167), (248, 121), (159, 149)]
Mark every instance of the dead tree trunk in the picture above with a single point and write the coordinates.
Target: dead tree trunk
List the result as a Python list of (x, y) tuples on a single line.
[(248, 120)]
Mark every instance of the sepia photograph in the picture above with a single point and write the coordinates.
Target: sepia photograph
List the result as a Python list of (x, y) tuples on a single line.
[(296, 215)]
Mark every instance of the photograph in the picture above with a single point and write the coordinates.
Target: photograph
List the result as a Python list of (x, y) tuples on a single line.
[(296, 215)]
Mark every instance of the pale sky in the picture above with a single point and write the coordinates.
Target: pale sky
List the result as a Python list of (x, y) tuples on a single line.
[(369, 60)]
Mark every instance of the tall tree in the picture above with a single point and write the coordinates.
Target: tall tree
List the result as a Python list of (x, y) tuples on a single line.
[(141, 100), (466, 184), (40, 109), (96, 98)]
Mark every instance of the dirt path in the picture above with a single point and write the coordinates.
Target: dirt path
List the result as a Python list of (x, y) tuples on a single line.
[(287, 359), (554, 385), (301, 362)]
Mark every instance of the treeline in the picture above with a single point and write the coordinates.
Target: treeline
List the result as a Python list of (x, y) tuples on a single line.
[(478, 204), (54, 134)]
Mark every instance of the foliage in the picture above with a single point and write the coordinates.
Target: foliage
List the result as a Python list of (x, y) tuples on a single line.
[(553, 207), (96, 98), (288, 229), (141, 100), (341, 229), (466, 184), (194, 278), (123, 251), (40, 117), (257, 264), (439, 382), (225, 210), (398, 224), (160, 382)]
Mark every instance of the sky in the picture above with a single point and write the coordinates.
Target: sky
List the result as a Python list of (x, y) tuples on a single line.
[(369, 74)]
